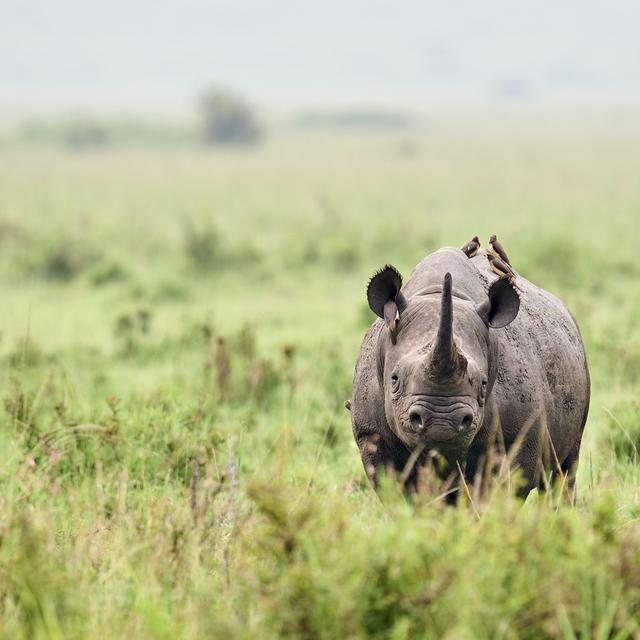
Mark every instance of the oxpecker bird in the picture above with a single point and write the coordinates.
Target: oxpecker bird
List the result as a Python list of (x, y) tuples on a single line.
[(498, 250), (502, 269), (471, 248)]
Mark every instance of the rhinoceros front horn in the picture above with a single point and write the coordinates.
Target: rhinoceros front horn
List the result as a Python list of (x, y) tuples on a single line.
[(446, 361)]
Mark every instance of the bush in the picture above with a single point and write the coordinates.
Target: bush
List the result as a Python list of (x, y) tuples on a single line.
[(58, 259), (202, 245), (228, 119)]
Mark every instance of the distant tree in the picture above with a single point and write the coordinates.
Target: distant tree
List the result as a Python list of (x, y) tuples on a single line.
[(228, 118)]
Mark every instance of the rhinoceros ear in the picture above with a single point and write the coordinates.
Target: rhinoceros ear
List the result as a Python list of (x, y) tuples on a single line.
[(501, 306), (385, 298)]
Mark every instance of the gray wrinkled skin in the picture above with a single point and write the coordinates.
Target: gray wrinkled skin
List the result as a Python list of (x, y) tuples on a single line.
[(528, 379)]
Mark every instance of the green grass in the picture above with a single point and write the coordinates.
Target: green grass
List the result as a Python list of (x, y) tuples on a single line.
[(142, 496)]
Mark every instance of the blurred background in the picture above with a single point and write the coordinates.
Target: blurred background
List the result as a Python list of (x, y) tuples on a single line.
[(143, 72)]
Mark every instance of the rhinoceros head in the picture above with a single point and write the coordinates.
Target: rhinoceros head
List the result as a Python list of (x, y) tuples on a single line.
[(437, 358)]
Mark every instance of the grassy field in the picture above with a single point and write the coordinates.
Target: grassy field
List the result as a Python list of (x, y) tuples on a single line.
[(178, 335)]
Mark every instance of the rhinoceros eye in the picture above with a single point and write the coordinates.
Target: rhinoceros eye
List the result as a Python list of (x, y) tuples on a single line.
[(395, 381), (483, 389)]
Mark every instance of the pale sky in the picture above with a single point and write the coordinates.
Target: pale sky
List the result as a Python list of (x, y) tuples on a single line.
[(139, 53)]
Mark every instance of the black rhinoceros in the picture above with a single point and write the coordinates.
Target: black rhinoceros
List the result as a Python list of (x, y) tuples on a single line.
[(460, 360)]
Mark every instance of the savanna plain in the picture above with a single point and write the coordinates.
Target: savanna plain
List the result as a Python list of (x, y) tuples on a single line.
[(179, 328)]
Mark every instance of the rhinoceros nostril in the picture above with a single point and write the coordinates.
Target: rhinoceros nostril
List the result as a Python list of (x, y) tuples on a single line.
[(416, 421), (467, 421)]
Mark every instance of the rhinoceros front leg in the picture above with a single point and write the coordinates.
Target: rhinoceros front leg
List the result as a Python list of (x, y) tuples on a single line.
[(379, 457)]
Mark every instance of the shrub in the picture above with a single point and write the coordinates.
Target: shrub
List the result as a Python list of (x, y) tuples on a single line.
[(228, 119), (202, 244)]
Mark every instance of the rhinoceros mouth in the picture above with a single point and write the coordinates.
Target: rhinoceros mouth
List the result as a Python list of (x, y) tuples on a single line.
[(444, 440), (443, 434), (435, 436)]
